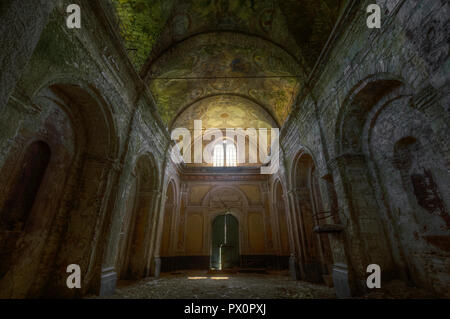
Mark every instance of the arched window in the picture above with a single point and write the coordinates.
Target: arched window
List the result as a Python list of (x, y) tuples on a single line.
[(218, 157), (224, 154), (231, 154), (23, 192)]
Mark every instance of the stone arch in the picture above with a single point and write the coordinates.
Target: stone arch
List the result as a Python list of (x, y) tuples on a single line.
[(235, 211), (126, 221), (25, 251), (135, 264), (293, 60), (237, 208), (61, 89), (263, 107), (195, 46), (116, 258), (315, 251), (170, 207), (410, 176), (356, 106), (291, 182), (217, 189), (76, 123), (97, 147), (360, 202), (77, 99)]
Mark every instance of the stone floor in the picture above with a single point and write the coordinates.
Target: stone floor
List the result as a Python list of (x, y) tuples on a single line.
[(397, 289), (273, 285), (202, 285)]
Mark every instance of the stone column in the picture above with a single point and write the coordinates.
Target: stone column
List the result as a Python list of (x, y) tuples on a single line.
[(316, 201), (85, 217), (159, 234), (337, 243), (273, 212), (366, 242), (152, 236), (267, 217), (295, 235), (108, 276), (182, 219), (142, 257)]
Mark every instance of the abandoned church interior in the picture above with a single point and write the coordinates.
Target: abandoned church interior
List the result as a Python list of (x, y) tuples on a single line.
[(90, 169)]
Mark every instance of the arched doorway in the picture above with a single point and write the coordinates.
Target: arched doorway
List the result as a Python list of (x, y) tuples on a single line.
[(411, 170), (316, 257), (225, 242), (125, 229), (167, 224), (134, 265), (362, 206), (166, 237), (62, 202)]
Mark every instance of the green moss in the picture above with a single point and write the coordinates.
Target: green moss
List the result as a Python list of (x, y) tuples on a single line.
[(142, 22)]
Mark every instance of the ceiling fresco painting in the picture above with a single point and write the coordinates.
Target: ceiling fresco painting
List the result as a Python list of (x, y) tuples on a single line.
[(226, 63), (260, 50), (142, 21), (225, 111)]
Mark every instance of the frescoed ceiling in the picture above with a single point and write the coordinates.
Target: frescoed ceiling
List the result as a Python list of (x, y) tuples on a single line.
[(142, 21), (225, 111), (218, 50), (224, 63)]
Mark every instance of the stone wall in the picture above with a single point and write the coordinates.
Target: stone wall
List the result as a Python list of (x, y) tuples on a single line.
[(371, 91), (80, 95), (18, 40), (363, 180)]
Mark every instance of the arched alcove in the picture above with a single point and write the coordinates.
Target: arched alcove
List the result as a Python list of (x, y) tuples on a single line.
[(140, 230), (169, 215), (360, 204), (411, 179), (312, 248), (69, 207), (126, 225)]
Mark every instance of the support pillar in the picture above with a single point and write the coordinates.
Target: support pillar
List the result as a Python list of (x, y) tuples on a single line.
[(365, 241)]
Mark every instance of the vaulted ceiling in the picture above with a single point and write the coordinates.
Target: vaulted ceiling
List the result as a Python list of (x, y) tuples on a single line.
[(224, 63), (239, 63), (225, 111)]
